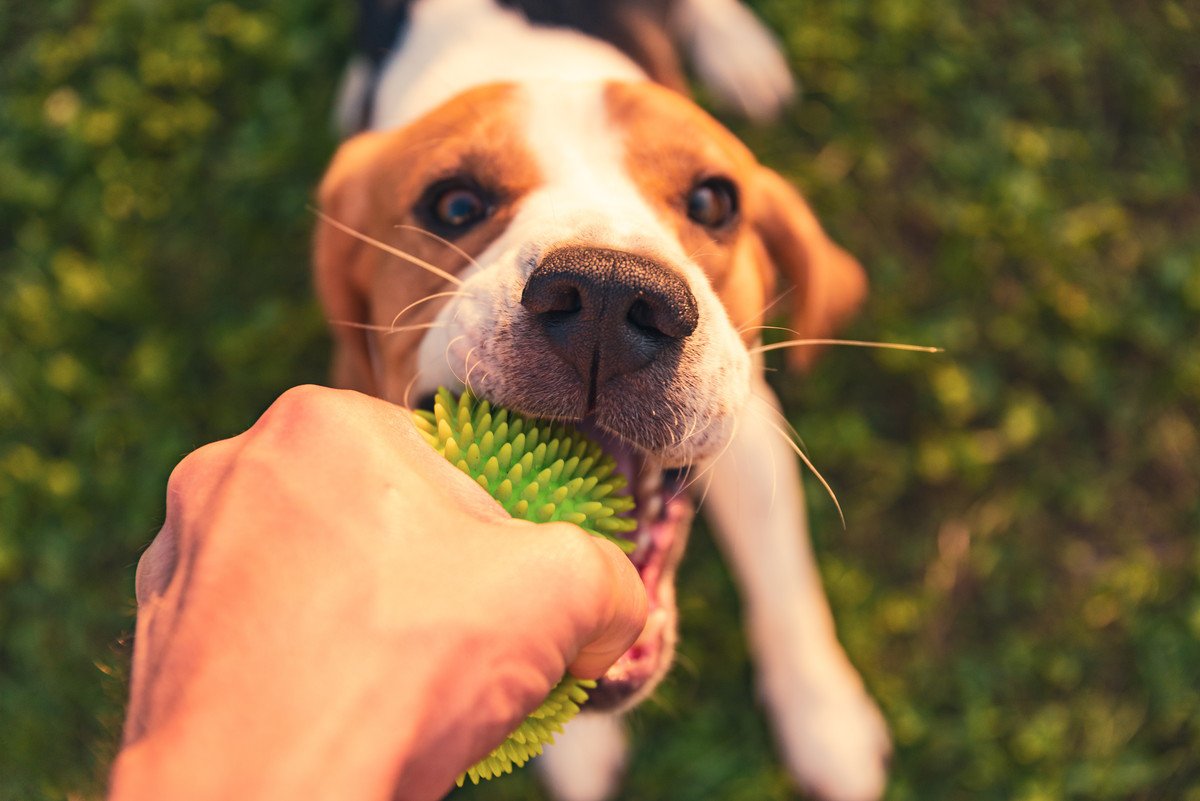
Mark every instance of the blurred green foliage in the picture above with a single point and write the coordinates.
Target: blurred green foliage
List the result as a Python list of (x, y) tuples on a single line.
[(1018, 579)]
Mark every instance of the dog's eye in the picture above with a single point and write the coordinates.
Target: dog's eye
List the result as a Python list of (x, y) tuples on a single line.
[(452, 207), (713, 202), (459, 207)]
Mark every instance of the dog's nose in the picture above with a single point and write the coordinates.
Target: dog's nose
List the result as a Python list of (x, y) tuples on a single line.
[(607, 312)]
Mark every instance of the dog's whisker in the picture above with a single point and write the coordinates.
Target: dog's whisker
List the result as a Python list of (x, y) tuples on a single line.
[(446, 356), (685, 482), (713, 463), (712, 476), (856, 343), (746, 328), (390, 249), (808, 463), (769, 306), (466, 363), (696, 431), (688, 432), (791, 428), (443, 240), (386, 329), (774, 484), (675, 425), (409, 388), (783, 418), (684, 476), (698, 251), (425, 299), (678, 440), (692, 430)]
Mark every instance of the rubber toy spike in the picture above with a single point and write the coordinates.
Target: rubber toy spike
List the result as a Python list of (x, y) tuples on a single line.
[(541, 472)]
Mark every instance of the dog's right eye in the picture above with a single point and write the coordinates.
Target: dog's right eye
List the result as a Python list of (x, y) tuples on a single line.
[(713, 203), (450, 208)]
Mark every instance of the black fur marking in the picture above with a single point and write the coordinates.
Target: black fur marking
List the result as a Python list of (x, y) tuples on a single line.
[(380, 24)]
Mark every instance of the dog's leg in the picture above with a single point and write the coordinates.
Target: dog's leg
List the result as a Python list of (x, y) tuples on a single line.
[(833, 737), (587, 760), (736, 57)]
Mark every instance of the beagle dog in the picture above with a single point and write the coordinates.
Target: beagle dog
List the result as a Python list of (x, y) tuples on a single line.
[(533, 209)]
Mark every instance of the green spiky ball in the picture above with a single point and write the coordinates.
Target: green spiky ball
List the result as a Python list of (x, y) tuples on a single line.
[(541, 472)]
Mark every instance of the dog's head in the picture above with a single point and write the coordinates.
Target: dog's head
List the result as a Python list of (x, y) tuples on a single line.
[(600, 253)]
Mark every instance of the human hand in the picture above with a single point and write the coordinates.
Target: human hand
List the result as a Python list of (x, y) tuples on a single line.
[(331, 610)]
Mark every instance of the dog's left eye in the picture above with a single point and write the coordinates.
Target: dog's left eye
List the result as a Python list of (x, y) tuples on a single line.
[(713, 202), (450, 208)]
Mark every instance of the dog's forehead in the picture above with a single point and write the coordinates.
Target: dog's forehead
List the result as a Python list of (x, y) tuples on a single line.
[(479, 131), (608, 153), (586, 190), (657, 120)]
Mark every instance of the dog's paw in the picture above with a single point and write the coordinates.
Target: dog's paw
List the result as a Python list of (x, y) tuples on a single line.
[(833, 738), (736, 57), (587, 760)]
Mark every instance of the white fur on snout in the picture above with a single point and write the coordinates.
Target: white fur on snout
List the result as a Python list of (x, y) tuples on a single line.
[(587, 199)]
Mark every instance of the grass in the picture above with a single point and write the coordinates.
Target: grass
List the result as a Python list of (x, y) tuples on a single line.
[(1018, 579)]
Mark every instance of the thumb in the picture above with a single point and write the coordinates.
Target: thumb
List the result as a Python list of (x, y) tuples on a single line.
[(624, 619)]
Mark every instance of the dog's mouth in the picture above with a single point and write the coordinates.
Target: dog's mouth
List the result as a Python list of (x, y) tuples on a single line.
[(663, 511)]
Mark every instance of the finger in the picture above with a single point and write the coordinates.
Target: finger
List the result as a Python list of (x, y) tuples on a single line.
[(189, 488), (156, 566), (193, 480), (375, 436), (617, 630)]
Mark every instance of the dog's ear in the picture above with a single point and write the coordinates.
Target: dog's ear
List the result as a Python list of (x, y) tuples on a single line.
[(342, 264), (828, 284)]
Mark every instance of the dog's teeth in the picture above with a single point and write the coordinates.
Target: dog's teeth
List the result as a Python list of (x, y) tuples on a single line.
[(650, 482), (653, 507)]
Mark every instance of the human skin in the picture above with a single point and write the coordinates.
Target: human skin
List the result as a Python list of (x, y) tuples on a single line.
[(333, 611)]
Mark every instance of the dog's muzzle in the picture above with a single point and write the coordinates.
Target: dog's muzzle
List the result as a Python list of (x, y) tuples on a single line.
[(607, 313)]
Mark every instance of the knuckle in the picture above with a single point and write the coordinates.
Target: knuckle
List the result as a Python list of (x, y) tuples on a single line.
[(298, 404), (582, 556), (156, 566), (191, 467), (306, 409)]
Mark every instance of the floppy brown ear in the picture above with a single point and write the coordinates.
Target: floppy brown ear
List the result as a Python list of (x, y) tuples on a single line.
[(342, 264), (828, 283)]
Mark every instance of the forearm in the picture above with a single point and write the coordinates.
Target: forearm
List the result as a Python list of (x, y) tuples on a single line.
[(352, 733), (323, 729)]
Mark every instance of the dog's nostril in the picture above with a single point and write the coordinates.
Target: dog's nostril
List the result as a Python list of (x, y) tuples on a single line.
[(665, 314), (564, 300), (641, 316), (557, 298)]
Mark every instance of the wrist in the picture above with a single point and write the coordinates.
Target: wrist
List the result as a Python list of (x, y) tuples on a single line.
[(384, 716), (288, 739)]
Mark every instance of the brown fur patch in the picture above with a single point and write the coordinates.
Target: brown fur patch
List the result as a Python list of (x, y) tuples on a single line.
[(670, 146), (372, 186)]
